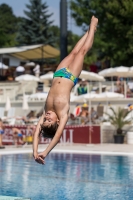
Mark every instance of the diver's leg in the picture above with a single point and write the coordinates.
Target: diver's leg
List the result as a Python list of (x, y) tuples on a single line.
[(20, 140), (77, 64), (67, 60)]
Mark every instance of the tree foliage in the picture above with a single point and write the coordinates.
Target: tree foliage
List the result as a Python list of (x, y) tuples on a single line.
[(71, 38), (8, 26), (35, 27), (115, 29), (55, 30)]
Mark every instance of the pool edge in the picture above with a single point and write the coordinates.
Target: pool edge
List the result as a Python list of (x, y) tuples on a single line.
[(24, 151)]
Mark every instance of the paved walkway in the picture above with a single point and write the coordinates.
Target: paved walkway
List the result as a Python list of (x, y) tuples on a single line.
[(112, 149)]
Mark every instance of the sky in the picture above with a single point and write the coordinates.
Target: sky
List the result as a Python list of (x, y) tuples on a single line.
[(53, 7)]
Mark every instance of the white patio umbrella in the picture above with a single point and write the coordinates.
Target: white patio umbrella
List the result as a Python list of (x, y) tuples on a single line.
[(3, 66), (108, 96), (32, 64), (91, 76), (105, 96), (38, 96), (26, 80), (8, 104), (27, 77), (20, 69), (82, 98), (106, 72), (118, 71), (131, 68), (48, 76)]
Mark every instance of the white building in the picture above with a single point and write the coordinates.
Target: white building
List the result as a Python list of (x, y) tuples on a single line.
[(10, 60)]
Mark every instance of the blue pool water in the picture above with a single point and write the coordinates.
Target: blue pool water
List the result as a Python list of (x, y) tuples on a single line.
[(67, 177)]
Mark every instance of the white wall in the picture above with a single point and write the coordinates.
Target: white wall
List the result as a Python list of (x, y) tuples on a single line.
[(12, 60)]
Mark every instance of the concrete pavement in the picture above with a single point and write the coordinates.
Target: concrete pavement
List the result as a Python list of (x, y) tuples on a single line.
[(111, 149)]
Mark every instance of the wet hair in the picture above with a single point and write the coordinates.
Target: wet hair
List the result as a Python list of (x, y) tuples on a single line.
[(48, 131)]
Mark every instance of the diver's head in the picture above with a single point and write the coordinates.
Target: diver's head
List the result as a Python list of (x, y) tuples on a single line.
[(50, 124)]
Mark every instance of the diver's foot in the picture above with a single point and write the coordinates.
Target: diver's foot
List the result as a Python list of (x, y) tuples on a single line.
[(94, 23)]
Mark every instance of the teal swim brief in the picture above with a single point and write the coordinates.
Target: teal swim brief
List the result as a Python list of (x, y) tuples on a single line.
[(65, 73)]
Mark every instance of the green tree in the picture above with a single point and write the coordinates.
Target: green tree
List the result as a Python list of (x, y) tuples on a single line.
[(8, 26), (35, 28), (55, 31), (71, 37), (115, 29)]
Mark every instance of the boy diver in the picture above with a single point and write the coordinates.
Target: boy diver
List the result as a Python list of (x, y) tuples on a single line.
[(53, 121)]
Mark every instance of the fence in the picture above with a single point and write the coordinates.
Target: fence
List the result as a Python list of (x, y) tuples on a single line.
[(71, 134)]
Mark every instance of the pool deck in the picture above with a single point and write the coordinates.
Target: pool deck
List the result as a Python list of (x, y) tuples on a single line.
[(109, 149)]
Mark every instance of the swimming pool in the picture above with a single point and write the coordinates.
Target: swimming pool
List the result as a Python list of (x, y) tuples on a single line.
[(67, 177)]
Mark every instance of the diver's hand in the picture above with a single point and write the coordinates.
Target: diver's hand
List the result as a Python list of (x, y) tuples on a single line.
[(42, 156), (39, 158)]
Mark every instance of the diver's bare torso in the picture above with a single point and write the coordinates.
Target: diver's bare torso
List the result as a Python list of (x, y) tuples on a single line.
[(58, 99)]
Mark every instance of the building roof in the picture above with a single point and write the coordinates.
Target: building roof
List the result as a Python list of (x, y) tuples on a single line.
[(31, 52)]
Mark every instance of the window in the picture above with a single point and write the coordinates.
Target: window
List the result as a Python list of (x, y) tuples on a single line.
[(5, 61)]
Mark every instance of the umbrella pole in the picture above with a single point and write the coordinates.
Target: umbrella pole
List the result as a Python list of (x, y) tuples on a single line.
[(112, 84), (100, 87), (42, 51), (90, 121), (125, 89), (2, 65), (106, 106), (23, 91)]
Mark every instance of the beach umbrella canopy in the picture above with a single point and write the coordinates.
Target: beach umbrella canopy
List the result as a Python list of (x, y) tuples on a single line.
[(83, 98), (91, 76), (108, 96), (117, 71), (100, 97), (27, 77), (32, 52), (106, 72), (30, 64), (3, 66), (48, 76), (105, 96), (38, 96), (73, 97), (131, 70), (20, 69)]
